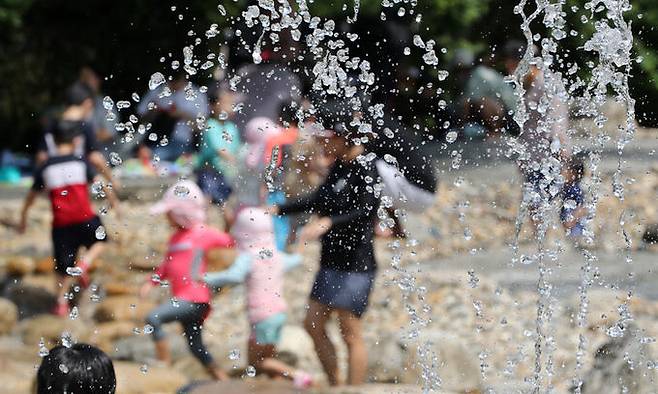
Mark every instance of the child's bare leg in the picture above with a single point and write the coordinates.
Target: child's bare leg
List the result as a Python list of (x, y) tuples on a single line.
[(351, 331), (93, 252), (162, 351), (262, 357), (315, 324)]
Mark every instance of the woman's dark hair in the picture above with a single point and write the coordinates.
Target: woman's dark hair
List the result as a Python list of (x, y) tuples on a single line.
[(80, 369)]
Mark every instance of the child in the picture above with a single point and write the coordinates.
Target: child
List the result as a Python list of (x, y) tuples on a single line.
[(573, 210), (183, 268), (261, 266), (219, 146), (66, 178), (80, 369)]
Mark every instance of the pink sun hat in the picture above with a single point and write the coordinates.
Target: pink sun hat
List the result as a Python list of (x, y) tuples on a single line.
[(253, 230), (186, 203), (257, 132)]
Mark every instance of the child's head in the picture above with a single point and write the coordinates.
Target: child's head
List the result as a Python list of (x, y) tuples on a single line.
[(184, 205), (80, 368), (80, 95), (253, 230), (66, 132), (574, 169), (257, 132), (221, 101)]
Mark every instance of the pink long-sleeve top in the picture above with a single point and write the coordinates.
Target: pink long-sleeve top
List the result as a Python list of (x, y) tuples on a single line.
[(185, 263)]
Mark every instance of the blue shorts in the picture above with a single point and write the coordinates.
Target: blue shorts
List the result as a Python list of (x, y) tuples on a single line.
[(213, 184), (343, 290), (268, 331)]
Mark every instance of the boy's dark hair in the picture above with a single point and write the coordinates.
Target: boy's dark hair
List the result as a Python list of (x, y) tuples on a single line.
[(66, 130), (80, 369), (576, 165), (77, 93), (514, 49)]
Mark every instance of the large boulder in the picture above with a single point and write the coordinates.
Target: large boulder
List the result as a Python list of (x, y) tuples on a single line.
[(44, 266), (30, 300), (458, 364), (156, 380), (123, 308), (50, 328), (17, 377), (140, 348), (621, 366), (8, 316), (105, 334)]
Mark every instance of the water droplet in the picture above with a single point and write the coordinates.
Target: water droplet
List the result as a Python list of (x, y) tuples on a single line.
[(144, 368), (64, 193), (181, 191), (123, 104), (74, 271), (251, 371), (100, 233), (63, 368), (135, 97), (115, 159), (265, 254), (108, 103), (67, 340), (615, 331), (234, 355), (156, 80), (451, 137), (148, 329), (43, 350), (74, 313)]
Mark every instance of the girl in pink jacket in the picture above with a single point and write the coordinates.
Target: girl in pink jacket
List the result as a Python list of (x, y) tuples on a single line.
[(261, 267), (183, 269)]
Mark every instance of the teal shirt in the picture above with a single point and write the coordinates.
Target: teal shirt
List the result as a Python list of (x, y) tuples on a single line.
[(219, 136)]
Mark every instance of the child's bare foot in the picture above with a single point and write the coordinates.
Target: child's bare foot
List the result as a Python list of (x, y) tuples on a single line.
[(302, 380), (84, 279)]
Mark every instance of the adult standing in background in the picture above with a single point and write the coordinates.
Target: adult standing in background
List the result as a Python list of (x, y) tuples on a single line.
[(103, 128), (173, 110)]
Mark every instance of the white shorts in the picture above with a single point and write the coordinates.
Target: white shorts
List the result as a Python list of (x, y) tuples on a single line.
[(405, 194)]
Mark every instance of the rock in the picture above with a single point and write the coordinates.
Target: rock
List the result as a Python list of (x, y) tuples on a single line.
[(16, 377), (388, 360), (650, 235), (140, 348), (220, 259), (458, 364), (105, 334), (45, 266), (123, 308), (119, 288), (19, 266), (30, 300), (50, 328), (157, 380), (8, 316), (612, 371)]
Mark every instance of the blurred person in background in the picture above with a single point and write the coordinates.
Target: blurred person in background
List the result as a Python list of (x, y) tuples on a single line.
[(218, 148), (173, 116), (79, 109), (103, 128)]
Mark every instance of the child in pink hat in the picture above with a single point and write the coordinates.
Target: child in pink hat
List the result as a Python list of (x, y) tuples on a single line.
[(183, 269), (261, 267)]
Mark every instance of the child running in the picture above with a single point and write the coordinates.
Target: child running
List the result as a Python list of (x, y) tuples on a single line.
[(261, 266), (183, 268), (573, 210), (66, 178)]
